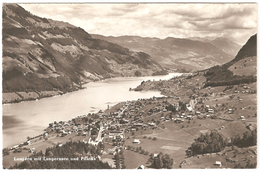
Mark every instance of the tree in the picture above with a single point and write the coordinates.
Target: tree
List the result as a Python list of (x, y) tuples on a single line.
[(26, 165), (167, 161), (138, 73), (49, 153), (231, 96), (123, 166), (5, 151), (142, 151), (117, 163), (146, 153), (208, 143), (249, 164), (161, 161), (248, 139)]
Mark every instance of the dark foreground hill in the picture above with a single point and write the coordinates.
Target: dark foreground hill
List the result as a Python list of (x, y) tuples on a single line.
[(40, 54)]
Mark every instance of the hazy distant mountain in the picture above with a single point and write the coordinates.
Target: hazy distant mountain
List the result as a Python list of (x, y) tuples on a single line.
[(226, 45), (43, 54), (196, 54)]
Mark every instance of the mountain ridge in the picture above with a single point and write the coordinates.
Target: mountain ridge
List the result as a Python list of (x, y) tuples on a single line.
[(180, 53), (60, 56)]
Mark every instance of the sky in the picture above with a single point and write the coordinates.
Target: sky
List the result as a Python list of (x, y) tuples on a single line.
[(235, 21)]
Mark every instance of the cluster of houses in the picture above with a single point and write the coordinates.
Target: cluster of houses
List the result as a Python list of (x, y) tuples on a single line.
[(66, 128)]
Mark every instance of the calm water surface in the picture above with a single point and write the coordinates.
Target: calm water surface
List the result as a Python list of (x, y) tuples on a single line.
[(32, 117)]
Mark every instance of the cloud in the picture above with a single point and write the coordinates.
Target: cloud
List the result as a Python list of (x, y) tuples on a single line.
[(236, 21)]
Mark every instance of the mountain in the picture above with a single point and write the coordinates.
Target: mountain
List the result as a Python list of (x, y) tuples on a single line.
[(248, 50), (41, 54), (226, 45), (222, 43), (241, 69), (176, 53)]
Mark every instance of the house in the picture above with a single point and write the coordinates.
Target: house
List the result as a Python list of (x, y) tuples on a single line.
[(189, 108), (250, 127), (140, 167), (31, 150), (15, 147), (152, 124), (189, 117), (178, 120), (218, 163), (138, 124), (136, 141), (85, 134), (210, 111), (27, 143), (116, 133)]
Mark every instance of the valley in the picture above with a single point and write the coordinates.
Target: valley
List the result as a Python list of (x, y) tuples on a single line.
[(76, 100)]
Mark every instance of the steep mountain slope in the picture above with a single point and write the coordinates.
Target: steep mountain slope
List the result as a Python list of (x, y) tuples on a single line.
[(180, 53), (248, 50), (242, 69), (40, 54)]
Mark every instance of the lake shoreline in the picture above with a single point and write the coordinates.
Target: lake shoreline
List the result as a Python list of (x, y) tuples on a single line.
[(21, 100), (16, 97), (29, 113)]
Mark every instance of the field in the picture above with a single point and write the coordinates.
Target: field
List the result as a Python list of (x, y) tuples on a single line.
[(175, 138), (8, 97), (134, 160), (245, 66), (227, 157)]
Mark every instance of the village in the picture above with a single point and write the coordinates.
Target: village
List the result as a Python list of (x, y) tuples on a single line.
[(172, 122)]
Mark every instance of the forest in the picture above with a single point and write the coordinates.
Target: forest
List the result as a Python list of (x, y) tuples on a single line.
[(76, 152), (161, 161), (248, 139), (207, 143)]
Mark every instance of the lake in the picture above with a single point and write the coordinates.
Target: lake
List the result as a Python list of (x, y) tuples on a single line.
[(32, 117)]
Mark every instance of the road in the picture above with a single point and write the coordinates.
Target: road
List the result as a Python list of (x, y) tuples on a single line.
[(99, 139)]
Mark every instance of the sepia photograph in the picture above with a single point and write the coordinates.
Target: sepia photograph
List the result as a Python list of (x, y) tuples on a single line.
[(129, 85)]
